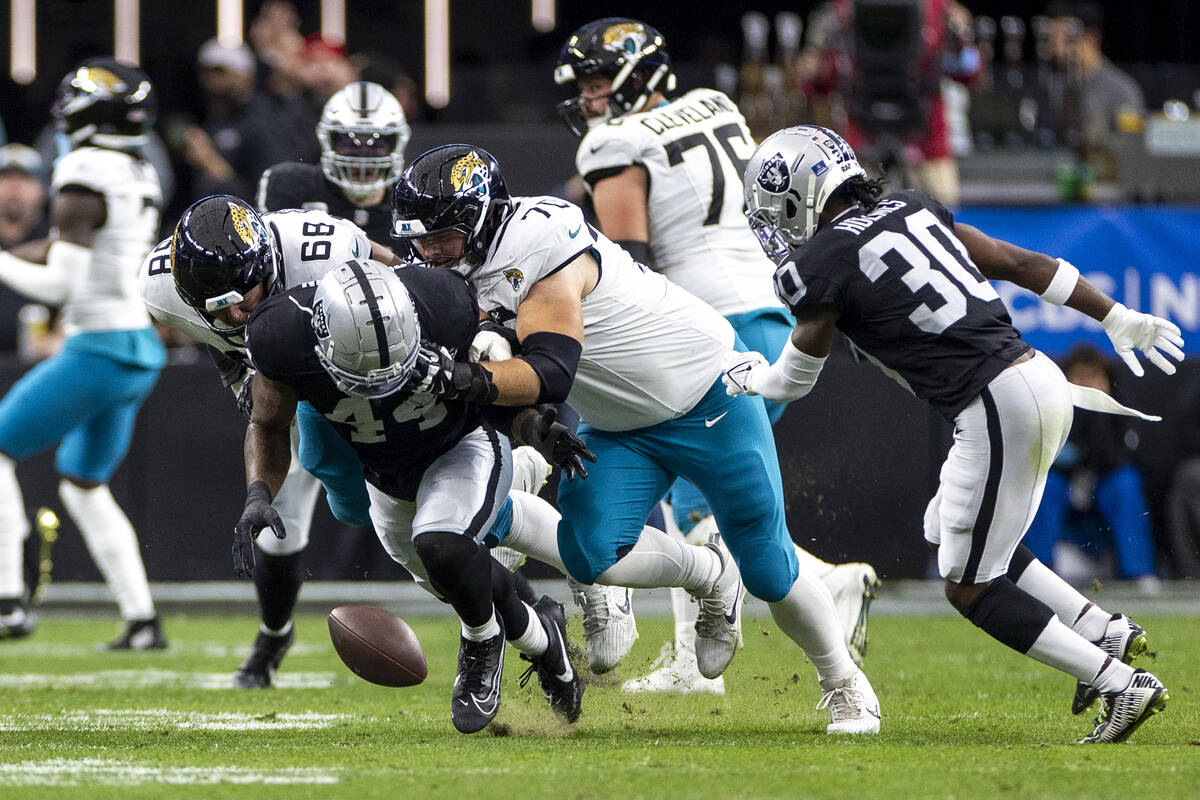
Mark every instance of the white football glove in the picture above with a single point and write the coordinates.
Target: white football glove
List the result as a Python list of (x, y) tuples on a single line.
[(741, 372), (489, 346), (1132, 330)]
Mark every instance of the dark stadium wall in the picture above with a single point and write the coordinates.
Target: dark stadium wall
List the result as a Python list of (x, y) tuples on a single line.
[(859, 458)]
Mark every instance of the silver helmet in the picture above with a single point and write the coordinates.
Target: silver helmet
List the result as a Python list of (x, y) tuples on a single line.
[(788, 181), (367, 332), (363, 134)]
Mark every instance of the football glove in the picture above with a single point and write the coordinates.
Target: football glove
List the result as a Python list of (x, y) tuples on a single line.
[(257, 514), (245, 398), (1132, 330), (540, 429), (438, 373), (493, 342), (742, 371)]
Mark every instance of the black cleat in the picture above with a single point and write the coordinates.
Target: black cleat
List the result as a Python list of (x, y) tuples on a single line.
[(258, 670), (559, 680), (1124, 640), (1121, 713), (475, 698), (16, 618), (140, 634)]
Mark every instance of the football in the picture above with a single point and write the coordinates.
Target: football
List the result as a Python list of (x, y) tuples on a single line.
[(377, 645)]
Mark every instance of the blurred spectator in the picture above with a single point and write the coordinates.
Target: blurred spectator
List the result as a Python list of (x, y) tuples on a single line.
[(1182, 511), (238, 138), (887, 59), (1097, 99), (279, 45), (1094, 488), (388, 73), (22, 219), (326, 69)]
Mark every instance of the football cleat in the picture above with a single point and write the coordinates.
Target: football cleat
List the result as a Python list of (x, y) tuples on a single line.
[(16, 618), (1121, 713), (609, 627), (675, 672), (559, 681), (1124, 639), (853, 587), (259, 668), (475, 698), (140, 634), (719, 621), (853, 707)]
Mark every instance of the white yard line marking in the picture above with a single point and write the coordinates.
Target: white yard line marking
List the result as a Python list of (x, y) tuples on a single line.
[(149, 678), (179, 647), (107, 772), (158, 718)]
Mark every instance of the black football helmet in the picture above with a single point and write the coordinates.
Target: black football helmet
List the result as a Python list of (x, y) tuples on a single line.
[(220, 251), (629, 53), (456, 187), (106, 103)]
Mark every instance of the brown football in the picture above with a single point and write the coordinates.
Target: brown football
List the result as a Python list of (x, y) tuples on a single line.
[(377, 645)]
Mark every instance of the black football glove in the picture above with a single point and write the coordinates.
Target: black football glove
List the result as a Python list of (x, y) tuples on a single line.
[(245, 398), (438, 373), (539, 428), (257, 514)]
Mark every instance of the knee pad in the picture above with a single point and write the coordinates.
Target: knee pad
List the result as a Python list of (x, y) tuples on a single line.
[(769, 572), (1009, 615), (444, 556)]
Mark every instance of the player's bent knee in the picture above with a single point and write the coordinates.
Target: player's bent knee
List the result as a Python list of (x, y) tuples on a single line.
[(770, 573), (582, 557)]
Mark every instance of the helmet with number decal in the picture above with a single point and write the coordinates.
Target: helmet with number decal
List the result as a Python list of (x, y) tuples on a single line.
[(630, 53), (367, 331), (363, 134), (219, 252), (453, 188), (106, 103), (788, 181)]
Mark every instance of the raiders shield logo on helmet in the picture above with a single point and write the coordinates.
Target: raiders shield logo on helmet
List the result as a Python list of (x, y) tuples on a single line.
[(773, 176)]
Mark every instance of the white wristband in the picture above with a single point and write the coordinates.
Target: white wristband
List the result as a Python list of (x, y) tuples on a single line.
[(793, 374), (1062, 285)]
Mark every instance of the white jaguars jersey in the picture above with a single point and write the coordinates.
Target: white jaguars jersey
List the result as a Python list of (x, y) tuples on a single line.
[(309, 243), (650, 349), (107, 299), (694, 150)]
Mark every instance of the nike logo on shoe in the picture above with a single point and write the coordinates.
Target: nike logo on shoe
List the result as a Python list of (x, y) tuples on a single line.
[(708, 423), (731, 617), (623, 606)]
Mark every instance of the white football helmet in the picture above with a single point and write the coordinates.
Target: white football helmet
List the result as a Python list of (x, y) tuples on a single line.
[(363, 134), (367, 331), (788, 180)]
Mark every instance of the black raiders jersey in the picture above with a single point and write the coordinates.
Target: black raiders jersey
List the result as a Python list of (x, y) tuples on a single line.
[(296, 185), (396, 437), (909, 296)]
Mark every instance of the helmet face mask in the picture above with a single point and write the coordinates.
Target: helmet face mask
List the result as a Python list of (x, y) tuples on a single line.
[(220, 252), (453, 188), (631, 54), (788, 181), (363, 134), (368, 335), (106, 103)]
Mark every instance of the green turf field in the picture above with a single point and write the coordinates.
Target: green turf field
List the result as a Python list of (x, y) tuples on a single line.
[(962, 717)]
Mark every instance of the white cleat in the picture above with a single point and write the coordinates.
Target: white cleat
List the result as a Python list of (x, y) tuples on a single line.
[(719, 621), (853, 587), (853, 707), (531, 470), (609, 626), (675, 672)]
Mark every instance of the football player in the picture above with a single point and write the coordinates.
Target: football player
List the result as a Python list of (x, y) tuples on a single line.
[(84, 399), (665, 177), (203, 281), (640, 359), (908, 286), (363, 133), (438, 472)]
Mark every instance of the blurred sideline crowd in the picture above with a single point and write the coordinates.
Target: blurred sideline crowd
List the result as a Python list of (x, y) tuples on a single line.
[(963, 84)]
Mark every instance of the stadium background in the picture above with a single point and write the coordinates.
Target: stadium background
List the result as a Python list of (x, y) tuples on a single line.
[(859, 457)]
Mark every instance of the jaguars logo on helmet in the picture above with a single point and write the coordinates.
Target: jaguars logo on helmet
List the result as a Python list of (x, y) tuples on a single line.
[(626, 37), (243, 226), (106, 104), (469, 175)]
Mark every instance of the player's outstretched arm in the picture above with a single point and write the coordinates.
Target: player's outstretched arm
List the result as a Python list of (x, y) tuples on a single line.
[(1059, 282), (49, 273), (268, 454), (795, 371)]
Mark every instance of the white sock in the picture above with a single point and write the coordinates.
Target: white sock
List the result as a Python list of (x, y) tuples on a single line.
[(14, 527), (1085, 618), (685, 610), (535, 640), (814, 565), (534, 529), (659, 559), (113, 544), (486, 631), (1062, 648), (807, 615)]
